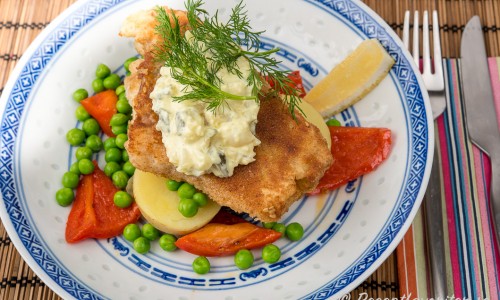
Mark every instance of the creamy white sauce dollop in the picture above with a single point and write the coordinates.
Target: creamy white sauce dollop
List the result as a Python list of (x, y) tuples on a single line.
[(199, 141)]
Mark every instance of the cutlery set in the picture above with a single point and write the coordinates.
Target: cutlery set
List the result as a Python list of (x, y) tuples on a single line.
[(481, 120), (480, 108)]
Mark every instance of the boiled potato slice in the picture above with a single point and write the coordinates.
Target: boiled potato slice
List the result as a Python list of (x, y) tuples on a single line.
[(158, 205), (315, 118)]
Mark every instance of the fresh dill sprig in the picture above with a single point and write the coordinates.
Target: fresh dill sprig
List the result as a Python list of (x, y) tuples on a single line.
[(212, 45)]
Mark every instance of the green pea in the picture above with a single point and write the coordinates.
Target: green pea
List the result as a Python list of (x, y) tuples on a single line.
[(167, 242), (268, 225), (243, 259), (187, 207), (102, 71), (111, 167), (294, 231), (97, 85), (113, 154), (173, 185), (111, 82), (122, 97), (271, 253), (333, 122), (120, 179), (86, 166), (150, 232), (65, 196), (109, 143), (122, 199), (128, 168), (81, 113), (75, 136), (80, 94), (118, 119), (131, 232), (94, 142), (279, 227), (186, 190), (122, 106), (91, 127), (126, 64), (125, 155), (200, 198), (70, 180), (120, 89), (120, 140), (117, 129), (74, 168), (142, 245), (201, 265), (83, 153)]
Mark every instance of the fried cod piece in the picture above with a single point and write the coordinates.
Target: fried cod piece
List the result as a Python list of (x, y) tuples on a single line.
[(141, 26), (132, 82), (290, 161)]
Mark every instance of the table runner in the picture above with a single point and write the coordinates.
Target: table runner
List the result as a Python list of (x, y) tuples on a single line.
[(472, 262), (22, 20)]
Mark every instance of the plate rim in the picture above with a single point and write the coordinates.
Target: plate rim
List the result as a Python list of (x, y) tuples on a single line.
[(38, 41)]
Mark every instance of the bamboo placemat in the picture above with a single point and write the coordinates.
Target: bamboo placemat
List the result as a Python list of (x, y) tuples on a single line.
[(22, 20)]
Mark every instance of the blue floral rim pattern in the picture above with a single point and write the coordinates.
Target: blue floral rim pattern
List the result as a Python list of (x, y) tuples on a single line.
[(19, 95)]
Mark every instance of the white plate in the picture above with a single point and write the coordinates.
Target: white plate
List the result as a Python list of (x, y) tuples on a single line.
[(349, 232)]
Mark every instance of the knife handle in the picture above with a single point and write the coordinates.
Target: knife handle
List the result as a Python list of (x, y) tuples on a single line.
[(495, 192), (435, 233)]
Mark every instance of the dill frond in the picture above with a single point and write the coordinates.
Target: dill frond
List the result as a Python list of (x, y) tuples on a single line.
[(213, 45)]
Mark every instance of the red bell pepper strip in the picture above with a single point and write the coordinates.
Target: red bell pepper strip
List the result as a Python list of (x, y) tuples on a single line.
[(356, 151), (102, 106), (296, 82), (82, 217), (225, 217), (94, 214), (220, 239)]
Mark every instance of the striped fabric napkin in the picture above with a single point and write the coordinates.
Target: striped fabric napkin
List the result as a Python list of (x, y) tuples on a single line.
[(472, 260)]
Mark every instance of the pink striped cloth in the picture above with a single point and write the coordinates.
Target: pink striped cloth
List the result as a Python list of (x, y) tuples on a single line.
[(472, 262)]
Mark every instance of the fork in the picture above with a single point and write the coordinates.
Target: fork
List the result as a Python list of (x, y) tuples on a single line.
[(434, 83)]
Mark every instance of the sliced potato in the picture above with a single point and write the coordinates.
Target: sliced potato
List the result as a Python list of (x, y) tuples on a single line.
[(158, 205), (315, 118)]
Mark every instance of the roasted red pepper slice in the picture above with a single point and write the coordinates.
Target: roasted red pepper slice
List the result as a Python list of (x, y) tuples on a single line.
[(225, 217), (220, 239), (296, 82), (94, 214), (82, 217), (102, 106), (356, 151)]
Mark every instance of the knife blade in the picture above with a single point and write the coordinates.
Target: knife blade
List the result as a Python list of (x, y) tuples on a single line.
[(480, 110)]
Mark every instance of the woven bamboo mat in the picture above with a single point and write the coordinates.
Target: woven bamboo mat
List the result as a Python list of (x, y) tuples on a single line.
[(22, 20)]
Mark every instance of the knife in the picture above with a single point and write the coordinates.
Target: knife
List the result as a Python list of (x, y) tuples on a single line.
[(480, 113)]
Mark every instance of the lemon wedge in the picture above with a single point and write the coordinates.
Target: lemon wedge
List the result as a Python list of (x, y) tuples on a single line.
[(352, 79), (158, 205)]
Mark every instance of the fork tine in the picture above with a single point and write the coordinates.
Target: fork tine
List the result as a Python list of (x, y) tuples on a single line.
[(433, 81), (426, 56), (406, 30), (438, 59), (416, 53)]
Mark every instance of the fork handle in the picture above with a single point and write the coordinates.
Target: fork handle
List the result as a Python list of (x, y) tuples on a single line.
[(434, 225)]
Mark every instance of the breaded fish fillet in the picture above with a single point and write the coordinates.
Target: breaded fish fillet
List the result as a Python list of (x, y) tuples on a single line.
[(141, 26), (290, 160)]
